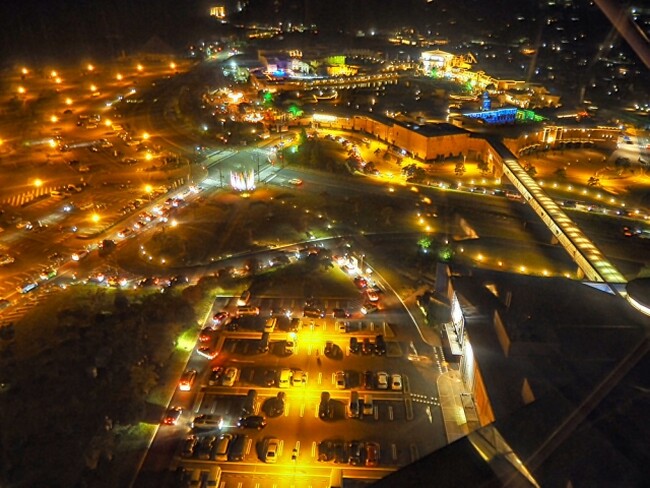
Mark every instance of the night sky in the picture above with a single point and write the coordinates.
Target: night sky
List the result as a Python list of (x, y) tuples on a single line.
[(56, 29)]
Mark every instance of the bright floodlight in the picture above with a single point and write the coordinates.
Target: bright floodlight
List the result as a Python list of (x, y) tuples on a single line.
[(243, 180)]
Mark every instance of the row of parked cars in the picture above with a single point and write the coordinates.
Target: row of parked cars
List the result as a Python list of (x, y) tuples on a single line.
[(356, 453), (367, 347)]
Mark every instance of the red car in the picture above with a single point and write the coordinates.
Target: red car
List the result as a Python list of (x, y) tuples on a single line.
[(220, 317), (206, 334)]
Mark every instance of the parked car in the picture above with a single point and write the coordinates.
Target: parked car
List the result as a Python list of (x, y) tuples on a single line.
[(372, 454), (215, 375), (382, 380), (252, 422), (325, 407), (272, 450), (230, 376), (340, 380), (189, 444), (396, 382)]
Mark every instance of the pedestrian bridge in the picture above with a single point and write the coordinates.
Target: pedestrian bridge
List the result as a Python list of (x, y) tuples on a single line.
[(590, 260)]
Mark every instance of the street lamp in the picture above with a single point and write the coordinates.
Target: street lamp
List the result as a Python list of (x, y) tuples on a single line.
[(95, 217), (38, 182), (148, 189)]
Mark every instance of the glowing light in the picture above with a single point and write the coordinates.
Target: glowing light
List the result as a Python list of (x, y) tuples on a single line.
[(90, 67), (480, 257), (21, 90), (68, 101), (145, 136), (54, 119), (148, 188), (118, 77), (140, 67), (522, 268), (93, 88), (108, 122), (148, 156), (38, 182), (57, 80), (174, 223), (95, 217), (52, 143), (53, 74), (172, 65), (243, 181), (24, 71)]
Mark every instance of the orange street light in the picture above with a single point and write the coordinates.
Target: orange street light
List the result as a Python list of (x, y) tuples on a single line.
[(21, 90), (172, 65), (140, 67), (90, 67), (95, 217), (68, 101), (38, 182), (53, 74), (145, 136), (54, 119), (93, 88), (119, 77)]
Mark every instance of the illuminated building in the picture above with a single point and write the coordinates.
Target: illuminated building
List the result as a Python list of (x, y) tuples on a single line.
[(218, 11)]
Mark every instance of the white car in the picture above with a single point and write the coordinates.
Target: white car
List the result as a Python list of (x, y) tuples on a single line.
[(396, 382), (340, 380), (79, 255), (230, 376), (295, 182), (382, 380)]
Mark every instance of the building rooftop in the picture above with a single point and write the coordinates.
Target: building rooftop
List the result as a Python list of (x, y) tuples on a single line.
[(570, 392)]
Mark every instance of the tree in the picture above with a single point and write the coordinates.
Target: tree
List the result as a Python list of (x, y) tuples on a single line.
[(483, 166), (560, 173), (460, 168)]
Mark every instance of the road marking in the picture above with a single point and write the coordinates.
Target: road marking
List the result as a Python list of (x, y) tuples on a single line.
[(280, 447), (415, 455), (316, 412), (309, 350), (298, 447), (302, 410), (393, 448), (320, 377), (287, 407), (248, 446), (313, 449), (390, 412), (376, 412), (197, 403)]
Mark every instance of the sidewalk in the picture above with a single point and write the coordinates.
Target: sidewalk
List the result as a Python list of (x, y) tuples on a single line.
[(458, 411)]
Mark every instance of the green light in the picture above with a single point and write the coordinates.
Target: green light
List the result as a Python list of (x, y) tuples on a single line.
[(186, 341), (295, 111), (445, 254), (424, 243)]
